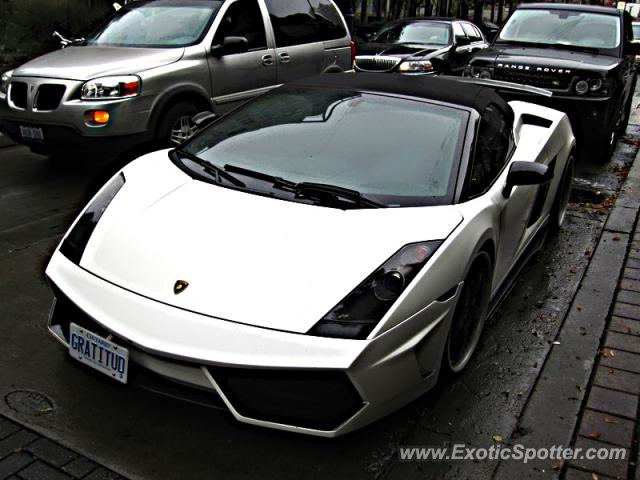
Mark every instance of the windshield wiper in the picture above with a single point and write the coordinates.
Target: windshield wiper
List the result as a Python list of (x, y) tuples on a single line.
[(308, 189), (277, 182), (578, 48), (210, 168), (313, 190)]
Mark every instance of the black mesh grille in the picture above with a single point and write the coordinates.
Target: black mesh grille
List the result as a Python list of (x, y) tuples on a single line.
[(376, 64), (533, 79), (18, 94), (320, 400), (49, 97)]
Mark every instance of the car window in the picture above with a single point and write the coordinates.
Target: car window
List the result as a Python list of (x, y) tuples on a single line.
[(636, 31), (428, 33), (297, 22), (408, 156), (457, 30), (471, 32), (563, 27), (155, 25), (493, 145), (243, 19)]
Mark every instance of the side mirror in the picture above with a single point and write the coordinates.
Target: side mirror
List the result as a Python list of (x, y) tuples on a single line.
[(203, 119), (368, 36), (462, 41), (526, 173), (231, 45), (632, 48)]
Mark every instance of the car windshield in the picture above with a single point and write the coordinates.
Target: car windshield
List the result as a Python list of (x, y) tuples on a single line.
[(429, 33), (398, 152), (156, 25), (563, 28), (636, 31)]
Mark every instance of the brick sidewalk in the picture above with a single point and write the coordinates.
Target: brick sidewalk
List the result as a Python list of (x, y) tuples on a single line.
[(25, 455), (610, 410)]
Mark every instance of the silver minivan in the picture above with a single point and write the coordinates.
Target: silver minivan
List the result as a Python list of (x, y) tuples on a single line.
[(142, 76)]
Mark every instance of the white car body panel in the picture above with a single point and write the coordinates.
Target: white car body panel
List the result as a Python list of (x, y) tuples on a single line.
[(263, 271)]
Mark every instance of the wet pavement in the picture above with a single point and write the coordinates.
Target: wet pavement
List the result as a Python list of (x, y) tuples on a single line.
[(143, 435)]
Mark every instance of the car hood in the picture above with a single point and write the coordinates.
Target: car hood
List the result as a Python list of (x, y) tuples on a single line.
[(546, 58), (400, 51), (85, 63), (247, 258)]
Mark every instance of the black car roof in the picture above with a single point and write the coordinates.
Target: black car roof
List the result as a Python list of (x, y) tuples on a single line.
[(572, 6), (477, 97)]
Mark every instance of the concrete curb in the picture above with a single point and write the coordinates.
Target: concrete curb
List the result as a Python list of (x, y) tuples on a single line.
[(553, 409)]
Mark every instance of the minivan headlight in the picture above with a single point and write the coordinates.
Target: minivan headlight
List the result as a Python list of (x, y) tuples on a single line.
[(111, 88), (5, 78)]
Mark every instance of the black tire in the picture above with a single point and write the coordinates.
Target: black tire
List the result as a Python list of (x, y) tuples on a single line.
[(559, 207), (166, 135), (469, 316)]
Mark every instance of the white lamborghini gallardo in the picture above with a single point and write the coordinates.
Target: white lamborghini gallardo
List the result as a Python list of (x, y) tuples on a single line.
[(316, 257)]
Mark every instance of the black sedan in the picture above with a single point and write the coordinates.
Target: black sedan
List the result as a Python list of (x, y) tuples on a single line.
[(420, 45)]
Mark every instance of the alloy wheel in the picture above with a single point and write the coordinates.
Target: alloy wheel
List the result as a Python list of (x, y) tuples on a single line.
[(182, 130)]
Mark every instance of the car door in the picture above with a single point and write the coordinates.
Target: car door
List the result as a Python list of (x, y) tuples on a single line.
[(461, 50), (297, 28), (239, 76), (475, 36), (493, 150)]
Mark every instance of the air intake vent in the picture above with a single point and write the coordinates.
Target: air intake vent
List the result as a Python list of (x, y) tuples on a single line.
[(18, 94), (49, 97), (376, 63)]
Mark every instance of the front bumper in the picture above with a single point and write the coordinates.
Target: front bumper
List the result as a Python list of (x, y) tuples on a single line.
[(318, 386), (65, 125)]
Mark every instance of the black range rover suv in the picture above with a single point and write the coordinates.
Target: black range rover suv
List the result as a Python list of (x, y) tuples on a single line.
[(583, 54)]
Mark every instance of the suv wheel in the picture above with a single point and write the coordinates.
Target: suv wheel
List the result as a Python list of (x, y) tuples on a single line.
[(176, 127)]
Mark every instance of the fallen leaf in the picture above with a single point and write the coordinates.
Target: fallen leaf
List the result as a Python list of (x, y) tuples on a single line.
[(612, 353), (595, 435), (497, 438), (616, 238), (594, 476), (611, 420), (556, 466), (611, 371), (573, 269)]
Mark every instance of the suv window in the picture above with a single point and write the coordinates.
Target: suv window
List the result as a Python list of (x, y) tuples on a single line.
[(243, 19), (471, 32), (493, 145), (297, 22)]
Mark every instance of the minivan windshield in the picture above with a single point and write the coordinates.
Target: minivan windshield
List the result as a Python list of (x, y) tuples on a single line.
[(562, 28), (157, 24), (429, 33), (394, 151)]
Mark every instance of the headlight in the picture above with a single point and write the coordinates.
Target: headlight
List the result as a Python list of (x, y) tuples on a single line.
[(416, 66), (73, 246), (582, 87), (5, 78), (111, 88), (480, 72), (360, 311)]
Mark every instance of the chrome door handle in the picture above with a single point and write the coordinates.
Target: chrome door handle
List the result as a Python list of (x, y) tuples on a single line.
[(267, 60), (284, 57)]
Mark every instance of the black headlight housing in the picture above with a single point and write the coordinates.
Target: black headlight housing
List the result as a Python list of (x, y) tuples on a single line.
[(358, 313), (76, 241)]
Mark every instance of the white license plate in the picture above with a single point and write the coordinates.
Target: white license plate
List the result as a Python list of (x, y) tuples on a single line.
[(34, 134), (99, 353)]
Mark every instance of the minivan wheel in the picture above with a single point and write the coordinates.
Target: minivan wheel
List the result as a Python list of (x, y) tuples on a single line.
[(176, 127), (470, 315)]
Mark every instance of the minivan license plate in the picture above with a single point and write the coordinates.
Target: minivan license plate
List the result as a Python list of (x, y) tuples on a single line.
[(34, 134), (98, 353)]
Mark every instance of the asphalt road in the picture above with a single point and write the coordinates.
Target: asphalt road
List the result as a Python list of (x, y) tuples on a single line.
[(144, 435)]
